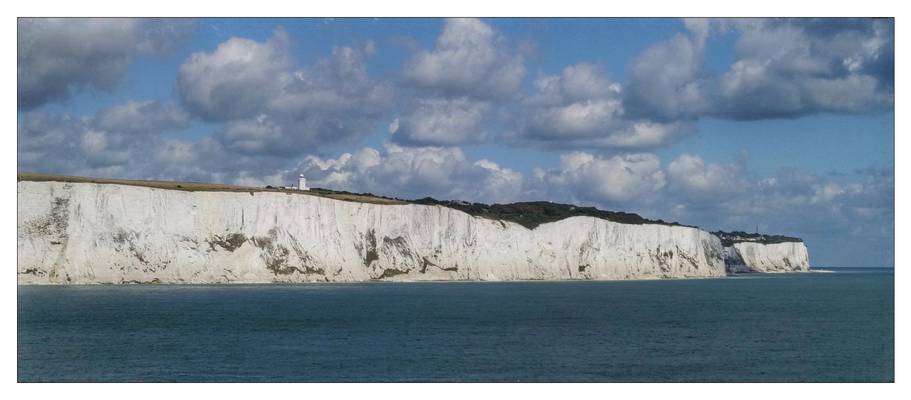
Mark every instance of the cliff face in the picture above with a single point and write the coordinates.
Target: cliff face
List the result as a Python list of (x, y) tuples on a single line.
[(106, 233), (772, 257)]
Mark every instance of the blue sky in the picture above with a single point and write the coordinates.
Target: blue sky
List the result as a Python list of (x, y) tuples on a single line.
[(726, 124)]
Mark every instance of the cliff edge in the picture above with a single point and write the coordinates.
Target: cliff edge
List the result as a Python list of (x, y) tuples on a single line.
[(754, 252), (84, 232)]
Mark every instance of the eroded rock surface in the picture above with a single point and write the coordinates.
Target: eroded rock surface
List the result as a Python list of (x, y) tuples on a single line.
[(109, 233)]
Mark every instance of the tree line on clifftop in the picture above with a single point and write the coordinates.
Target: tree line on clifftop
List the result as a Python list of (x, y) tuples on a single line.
[(534, 213)]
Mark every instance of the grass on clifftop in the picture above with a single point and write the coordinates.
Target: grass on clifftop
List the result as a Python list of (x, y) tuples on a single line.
[(527, 214), (729, 238), (205, 187), (532, 214)]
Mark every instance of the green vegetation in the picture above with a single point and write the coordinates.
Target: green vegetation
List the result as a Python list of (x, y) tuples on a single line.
[(527, 214), (356, 197), (729, 238), (532, 214)]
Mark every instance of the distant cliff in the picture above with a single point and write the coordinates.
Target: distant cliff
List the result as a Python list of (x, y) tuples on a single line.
[(84, 232), (746, 252)]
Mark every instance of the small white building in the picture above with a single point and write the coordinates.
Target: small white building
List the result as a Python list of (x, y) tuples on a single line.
[(302, 183)]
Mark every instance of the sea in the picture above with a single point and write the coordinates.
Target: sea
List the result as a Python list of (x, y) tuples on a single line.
[(835, 326)]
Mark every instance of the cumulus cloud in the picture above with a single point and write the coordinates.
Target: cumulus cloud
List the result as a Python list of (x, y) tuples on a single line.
[(578, 103), (582, 108), (845, 215), (861, 206), (70, 145), (667, 80), (441, 122), (411, 172), (48, 142), (841, 218), (787, 69), (236, 79), (470, 58), (857, 196), (58, 57), (269, 107), (689, 175), (610, 182), (261, 135), (209, 160), (142, 117), (116, 141), (783, 68), (687, 189), (458, 87)]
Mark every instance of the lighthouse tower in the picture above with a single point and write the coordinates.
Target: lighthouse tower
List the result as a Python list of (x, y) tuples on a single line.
[(302, 183)]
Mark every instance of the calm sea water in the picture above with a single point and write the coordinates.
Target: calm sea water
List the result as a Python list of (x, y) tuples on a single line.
[(769, 328)]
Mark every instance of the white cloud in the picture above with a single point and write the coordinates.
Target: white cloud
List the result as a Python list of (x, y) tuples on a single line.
[(783, 68), (577, 120), (610, 181), (413, 172), (457, 86), (582, 108), (142, 117), (270, 108), (252, 136), (688, 189), (469, 58), (667, 80), (236, 79), (120, 141), (69, 145), (175, 152), (441, 121), (58, 57), (690, 175)]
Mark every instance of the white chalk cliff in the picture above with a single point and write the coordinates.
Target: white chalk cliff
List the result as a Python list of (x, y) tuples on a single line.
[(773, 257), (109, 233)]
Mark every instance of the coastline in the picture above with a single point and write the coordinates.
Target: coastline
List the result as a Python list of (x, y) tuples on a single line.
[(103, 233), (377, 281)]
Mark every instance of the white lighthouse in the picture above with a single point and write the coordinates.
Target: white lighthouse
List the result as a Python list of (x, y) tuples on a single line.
[(302, 183)]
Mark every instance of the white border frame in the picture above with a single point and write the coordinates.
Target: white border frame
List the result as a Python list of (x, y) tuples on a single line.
[(486, 8)]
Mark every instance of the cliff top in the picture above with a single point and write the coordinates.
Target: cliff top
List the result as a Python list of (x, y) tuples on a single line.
[(729, 238), (206, 187), (532, 214), (527, 214)]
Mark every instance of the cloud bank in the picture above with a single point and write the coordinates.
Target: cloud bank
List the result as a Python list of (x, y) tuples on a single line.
[(268, 116), (58, 57), (271, 107)]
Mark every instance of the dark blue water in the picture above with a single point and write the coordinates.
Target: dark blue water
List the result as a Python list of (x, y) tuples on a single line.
[(827, 327)]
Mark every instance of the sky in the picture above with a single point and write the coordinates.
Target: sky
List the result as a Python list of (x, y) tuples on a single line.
[(785, 125)]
